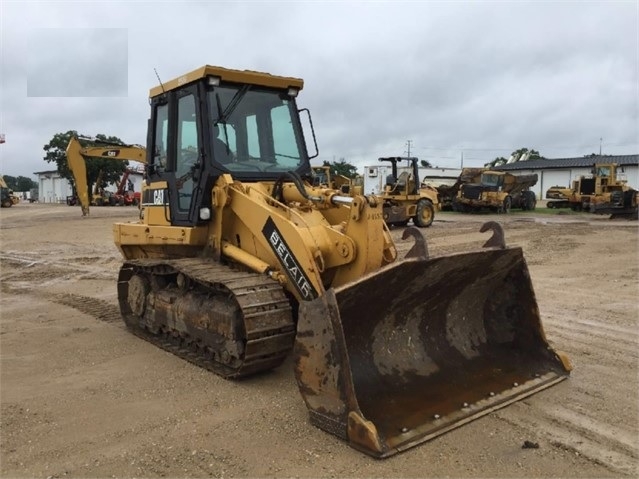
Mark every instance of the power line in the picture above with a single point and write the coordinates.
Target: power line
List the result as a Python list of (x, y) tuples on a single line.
[(408, 142)]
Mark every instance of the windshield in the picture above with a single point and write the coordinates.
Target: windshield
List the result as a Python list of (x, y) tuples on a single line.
[(491, 180), (255, 131), (603, 171)]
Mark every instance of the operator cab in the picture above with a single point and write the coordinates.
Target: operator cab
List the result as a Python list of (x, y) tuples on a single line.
[(216, 121), (492, 181)]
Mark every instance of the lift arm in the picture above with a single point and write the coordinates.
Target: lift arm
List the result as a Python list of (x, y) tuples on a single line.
[(77, 155)]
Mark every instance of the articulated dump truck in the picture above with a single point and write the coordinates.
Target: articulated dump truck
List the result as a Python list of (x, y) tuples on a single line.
[(239, 260)]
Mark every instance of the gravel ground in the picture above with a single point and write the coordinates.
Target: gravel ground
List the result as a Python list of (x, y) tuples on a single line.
[(82, 397)]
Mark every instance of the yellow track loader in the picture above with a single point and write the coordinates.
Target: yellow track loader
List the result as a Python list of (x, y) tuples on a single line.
[(240, 260)]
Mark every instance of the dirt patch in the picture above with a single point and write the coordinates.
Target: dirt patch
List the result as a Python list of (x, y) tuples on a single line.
[(82, 397)]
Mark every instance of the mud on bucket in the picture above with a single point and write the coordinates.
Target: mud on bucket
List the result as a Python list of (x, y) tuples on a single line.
[(422, 347)]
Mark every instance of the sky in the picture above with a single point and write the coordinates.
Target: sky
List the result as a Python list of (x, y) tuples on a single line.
[(452, 82)]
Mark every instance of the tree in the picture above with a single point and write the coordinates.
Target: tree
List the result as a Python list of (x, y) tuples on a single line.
[(112, 171), (425, 163), (25, 184), (20, 183), (11, 181), (534, 154), (522, 154), (343, 168), (496, 162)]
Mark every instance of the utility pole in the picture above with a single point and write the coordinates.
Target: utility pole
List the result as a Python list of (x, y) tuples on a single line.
[(408, 142), (462, 159), (600, 140)]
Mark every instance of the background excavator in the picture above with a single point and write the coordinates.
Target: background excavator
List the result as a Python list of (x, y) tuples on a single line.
[(76, 158), (238, 260)]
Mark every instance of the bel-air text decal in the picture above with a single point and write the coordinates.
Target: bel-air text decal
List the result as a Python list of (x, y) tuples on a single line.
[(290, 263)]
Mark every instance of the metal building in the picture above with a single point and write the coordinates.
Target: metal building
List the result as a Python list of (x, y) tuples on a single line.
[(52, 188)]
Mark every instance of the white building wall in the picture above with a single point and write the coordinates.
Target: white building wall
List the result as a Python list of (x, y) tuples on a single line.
[(52, 188), (550, 178), (137, 180), (631, 174)]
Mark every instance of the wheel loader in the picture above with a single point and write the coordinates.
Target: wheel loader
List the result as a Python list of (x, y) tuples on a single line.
[(239, 261), (602, 192), (405, 198)]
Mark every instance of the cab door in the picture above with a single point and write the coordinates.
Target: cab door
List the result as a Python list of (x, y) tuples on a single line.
[(179, 158), (185, 158)]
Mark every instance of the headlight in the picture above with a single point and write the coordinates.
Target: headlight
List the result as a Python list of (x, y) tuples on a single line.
[(205, 214)]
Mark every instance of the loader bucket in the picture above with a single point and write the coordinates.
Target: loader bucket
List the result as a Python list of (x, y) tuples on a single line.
[(422, 347)]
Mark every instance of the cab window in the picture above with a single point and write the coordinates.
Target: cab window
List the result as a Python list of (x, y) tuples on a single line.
[(187, 150), (161, 137)]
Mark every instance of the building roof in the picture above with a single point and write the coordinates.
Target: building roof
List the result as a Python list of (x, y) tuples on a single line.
[(581, 162)]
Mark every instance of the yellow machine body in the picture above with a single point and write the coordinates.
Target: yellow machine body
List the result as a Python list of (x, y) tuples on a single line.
[(239, 260)]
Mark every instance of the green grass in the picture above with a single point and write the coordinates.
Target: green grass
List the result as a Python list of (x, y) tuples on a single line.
[(543, 211)]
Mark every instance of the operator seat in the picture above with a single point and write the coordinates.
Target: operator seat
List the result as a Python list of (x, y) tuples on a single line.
[(400, 185), (391, 180)]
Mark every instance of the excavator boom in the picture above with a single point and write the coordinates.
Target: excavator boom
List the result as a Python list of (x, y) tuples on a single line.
[(77, 156)]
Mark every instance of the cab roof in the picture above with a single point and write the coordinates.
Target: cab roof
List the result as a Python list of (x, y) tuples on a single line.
[(234, 76)]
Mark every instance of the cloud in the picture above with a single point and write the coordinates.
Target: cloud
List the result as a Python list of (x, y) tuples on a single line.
[(77, 62), (478, 79)]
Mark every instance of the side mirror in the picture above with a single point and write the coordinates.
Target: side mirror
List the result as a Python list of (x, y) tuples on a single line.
[(310, 122)]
